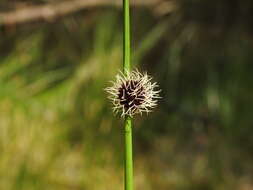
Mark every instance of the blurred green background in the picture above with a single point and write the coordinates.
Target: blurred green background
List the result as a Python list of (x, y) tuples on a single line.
[(57, 129)]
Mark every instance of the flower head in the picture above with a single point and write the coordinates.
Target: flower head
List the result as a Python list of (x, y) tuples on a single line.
[(133, 93)]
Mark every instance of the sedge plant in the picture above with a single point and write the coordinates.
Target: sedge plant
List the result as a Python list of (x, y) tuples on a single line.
[(128, 120), (131, 93)]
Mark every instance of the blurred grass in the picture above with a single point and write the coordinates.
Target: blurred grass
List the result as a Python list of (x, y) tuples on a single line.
[(57, 130)]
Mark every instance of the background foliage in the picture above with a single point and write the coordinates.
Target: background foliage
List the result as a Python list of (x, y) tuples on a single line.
[(57, 130)]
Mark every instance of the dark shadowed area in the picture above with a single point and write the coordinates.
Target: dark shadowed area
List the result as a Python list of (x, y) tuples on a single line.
[(57, 129)]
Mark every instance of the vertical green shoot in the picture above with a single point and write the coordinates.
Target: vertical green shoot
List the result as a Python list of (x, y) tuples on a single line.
[(126, 37), (128, 154), (128, 120)]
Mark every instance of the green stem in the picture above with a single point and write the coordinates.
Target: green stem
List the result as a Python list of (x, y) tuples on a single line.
[(128, 120), (126, 37), (128, 154)]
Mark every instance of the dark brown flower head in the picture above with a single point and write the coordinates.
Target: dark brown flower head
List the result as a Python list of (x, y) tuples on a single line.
[(133, 93)]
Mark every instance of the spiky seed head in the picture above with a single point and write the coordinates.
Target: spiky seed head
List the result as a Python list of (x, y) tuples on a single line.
[(133, 93)]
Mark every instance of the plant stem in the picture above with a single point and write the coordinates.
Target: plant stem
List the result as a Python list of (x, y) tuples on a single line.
[(126, 37), (128, 120), (128, 154)]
